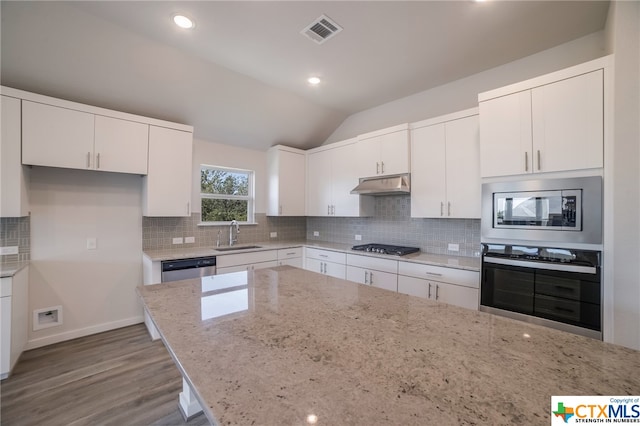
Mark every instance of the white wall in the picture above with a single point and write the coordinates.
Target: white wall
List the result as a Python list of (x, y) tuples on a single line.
[(463, 93), (217, 154), (622, 180), (96, 288)]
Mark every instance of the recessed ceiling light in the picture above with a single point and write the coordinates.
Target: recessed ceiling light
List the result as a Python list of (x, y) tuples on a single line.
[(183, 22), (313, 81)]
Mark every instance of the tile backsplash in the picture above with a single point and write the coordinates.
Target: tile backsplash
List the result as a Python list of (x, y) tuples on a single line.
[(392, 224), (158, 232), (15, 231)]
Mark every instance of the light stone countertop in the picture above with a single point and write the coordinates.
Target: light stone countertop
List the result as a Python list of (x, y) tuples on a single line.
[(302, 344), (458, 262), (10, 269)]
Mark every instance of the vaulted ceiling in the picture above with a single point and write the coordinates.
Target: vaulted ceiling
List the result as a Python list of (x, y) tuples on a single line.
[(239, 77)]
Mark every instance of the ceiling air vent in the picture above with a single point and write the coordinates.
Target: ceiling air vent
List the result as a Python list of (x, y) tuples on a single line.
[(322, 29)]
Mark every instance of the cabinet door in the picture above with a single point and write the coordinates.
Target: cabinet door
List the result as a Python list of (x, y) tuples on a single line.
[(413, 286), (5, 335), (13, 179), (385, 280), (367, 159), (120, 145), (465, 297), (336, 270), (568, 124), (462, 168), (505, 135), (344, 178), (286, 183), (394, 153), (57, 137), (296, 262), (318, 194), (167, 186), (428, 189), (357, 275), (314, 265)]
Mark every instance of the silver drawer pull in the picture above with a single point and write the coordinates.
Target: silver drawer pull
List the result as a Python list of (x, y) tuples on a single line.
[(433, 274), (323, 255)]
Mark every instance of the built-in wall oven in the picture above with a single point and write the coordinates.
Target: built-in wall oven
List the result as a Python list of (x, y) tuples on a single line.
[(541, 252), (557, 287)]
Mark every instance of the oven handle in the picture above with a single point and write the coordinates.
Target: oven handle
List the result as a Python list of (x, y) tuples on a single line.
[(539, 265)]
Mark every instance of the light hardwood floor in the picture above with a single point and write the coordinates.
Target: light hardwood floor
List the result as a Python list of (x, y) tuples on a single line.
[(118, 378)]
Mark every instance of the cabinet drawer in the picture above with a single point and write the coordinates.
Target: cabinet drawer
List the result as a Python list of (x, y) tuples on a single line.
[(326, 255), (371, 262), (246, 258), (5, 285), (289, 253), (439, 273)]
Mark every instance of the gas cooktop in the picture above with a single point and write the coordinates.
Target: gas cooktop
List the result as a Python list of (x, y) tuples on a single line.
[(386, 249)]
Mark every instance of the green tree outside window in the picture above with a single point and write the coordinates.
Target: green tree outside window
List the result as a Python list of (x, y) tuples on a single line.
[(226, 194)]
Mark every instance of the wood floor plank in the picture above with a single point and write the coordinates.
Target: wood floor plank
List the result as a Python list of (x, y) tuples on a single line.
[(117, 378)]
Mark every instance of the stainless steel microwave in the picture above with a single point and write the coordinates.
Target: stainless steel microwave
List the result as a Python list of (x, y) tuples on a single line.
[(565, 210)]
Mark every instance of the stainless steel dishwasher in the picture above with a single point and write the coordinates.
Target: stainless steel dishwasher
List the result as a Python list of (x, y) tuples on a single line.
[(184, 269)]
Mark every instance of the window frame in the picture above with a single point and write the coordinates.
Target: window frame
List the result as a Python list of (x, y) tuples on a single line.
[(250, 197)]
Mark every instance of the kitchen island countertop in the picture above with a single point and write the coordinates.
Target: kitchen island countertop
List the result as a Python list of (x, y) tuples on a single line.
[(278, 345)]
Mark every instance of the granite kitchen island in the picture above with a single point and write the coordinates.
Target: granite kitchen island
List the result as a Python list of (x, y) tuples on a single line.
[(285, 346)]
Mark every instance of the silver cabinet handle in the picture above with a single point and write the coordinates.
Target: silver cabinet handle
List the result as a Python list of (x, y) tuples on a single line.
[(538, 159), (382, 168), (188, 208), (323, 255), (88, 160), (280, 209), (377, 168), (371, 278), (437, 289), (526, 161), (328, 210), (435, 274), (429, 294), (98, 161), (333, 210), (449, 208), (441, 208), (366, 277), (291, 254), (325, 267)]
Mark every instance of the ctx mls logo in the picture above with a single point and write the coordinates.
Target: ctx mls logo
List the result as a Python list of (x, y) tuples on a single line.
[(564, 412)]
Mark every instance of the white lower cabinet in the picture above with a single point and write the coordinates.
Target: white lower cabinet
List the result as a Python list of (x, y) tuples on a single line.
[(454, 286), (246, 261), (373, 271), (290, 256), (326, 262), (14, 319)]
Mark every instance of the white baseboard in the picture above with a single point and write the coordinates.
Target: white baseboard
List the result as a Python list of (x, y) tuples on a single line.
[(74, 334)]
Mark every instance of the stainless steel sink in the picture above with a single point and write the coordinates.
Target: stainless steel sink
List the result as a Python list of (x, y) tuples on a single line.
[(236, 248)]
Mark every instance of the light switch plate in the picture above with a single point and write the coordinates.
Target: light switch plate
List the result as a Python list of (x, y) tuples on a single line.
[(273, 234), (454, 247), (9, 250), (177, 240), (189, 240), (316, 233), (92, 243), (358, 237)]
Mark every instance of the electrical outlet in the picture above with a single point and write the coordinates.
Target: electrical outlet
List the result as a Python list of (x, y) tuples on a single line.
[(9, 250), (358, 237), (454, 247), (273, 234), (92, 243), (177, 240), (316, 233), (189, 240)]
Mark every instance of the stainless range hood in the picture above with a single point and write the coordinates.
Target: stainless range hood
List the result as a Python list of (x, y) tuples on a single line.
[(384, 185)]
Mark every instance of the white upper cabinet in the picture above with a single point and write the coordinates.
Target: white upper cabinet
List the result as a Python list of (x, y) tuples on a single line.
[(550, 124), (63, 137), (286, 169), (120, 145), (57, 137), (445, 178), (568, 124), (167, 186), (14, 176), (384, 152), (331, 176)]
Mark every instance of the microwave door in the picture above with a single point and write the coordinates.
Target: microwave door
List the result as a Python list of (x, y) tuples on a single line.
[(539, 209)]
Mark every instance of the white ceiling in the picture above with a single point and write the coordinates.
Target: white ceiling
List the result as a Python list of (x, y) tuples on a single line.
[(240, 76)]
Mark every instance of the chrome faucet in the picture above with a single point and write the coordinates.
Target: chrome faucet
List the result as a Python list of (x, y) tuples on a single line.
[(231, 239), (218, 240)]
